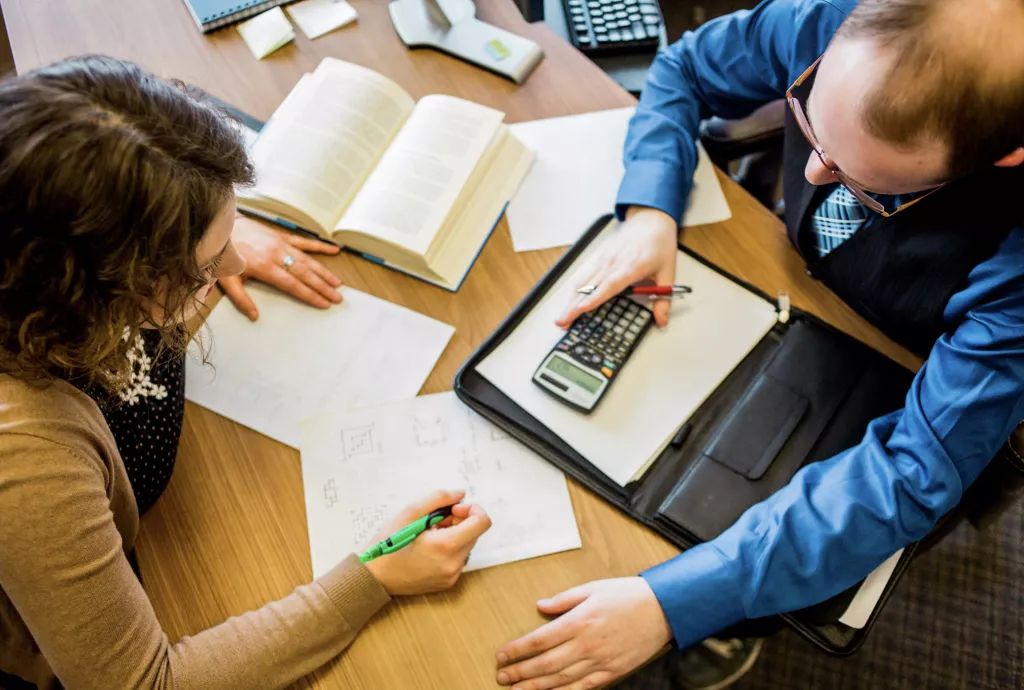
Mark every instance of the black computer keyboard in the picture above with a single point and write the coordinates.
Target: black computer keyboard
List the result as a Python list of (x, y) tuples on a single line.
[(613, 26)]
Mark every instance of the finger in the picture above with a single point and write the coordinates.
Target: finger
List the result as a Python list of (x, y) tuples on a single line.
[(560, 680), (559, 666), (607, 287), (462, 510), (666, 275), (233, 288), (547, 636), (598, 679), (287, 282), (463, 535), (326, 274), (308, 244), (306, 270), (563, 601), (589, 275), (428, 504)]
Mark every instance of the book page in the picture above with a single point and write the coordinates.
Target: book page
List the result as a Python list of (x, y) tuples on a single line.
[(670, 374), (321, 145), (414, 186), (360, 467), (296, 361)]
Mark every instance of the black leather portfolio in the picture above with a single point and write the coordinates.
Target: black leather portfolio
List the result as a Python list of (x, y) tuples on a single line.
[(804, 393)]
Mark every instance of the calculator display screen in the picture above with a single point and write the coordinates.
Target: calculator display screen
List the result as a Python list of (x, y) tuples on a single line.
[(577, 375)]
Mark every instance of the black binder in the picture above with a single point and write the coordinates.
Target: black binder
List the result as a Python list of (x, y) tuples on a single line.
[(804, 393)]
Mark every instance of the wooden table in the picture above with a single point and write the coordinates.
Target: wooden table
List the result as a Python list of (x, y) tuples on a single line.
[(230, 533)]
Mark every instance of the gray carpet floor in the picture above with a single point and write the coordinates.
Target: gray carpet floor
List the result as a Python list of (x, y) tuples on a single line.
[(956, 622)]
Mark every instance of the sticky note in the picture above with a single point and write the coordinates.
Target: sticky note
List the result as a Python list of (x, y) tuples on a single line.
[(497, 49), (318, 17), (266, 32)]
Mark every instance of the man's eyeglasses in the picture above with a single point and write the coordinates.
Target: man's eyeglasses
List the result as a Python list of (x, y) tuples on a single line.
[(855, 189)]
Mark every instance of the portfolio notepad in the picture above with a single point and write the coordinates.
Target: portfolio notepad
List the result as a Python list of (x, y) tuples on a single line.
[(214, 14), (804, 393)]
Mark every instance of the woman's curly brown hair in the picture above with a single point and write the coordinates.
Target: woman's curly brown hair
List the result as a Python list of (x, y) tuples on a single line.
[(109, 178)]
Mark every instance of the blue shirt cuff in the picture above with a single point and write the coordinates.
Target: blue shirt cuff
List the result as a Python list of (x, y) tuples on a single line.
[(654, 184), (699, 592)]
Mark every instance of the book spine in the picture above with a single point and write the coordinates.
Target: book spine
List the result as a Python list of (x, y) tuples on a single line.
[(216, 22)]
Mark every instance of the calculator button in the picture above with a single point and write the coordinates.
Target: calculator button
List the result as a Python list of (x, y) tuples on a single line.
[(607, 372), (644, 317), (596, 358), (619, 330), (610, 364), (634, 327), (630, 337)]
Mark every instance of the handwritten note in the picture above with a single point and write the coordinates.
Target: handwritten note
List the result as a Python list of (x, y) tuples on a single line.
[(296, 361), (360, 467)]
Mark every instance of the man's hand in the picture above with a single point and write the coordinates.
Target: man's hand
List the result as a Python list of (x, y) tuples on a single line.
[(606, 629), (644, 249), (264, 250), (434, 561)]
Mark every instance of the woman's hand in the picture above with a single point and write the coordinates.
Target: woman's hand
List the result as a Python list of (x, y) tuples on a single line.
[(265, 250), (605, 630), (434, 561), (644, 249)]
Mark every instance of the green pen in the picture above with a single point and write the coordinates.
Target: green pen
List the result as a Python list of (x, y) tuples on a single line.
[(406, 535)]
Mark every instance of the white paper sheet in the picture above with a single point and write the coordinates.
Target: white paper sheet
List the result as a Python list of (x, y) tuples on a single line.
[(575, 178), (670, 374), (318, 17), (297, 361), (360, 467), (266, 32), (863, 604)]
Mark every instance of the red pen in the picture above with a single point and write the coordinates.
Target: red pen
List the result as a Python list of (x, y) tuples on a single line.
[(652, 290)]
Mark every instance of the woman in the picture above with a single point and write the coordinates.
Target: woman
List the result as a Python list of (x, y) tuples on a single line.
[(117, 217)]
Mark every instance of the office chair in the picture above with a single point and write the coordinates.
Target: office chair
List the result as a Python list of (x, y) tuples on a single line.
[(750, 150)]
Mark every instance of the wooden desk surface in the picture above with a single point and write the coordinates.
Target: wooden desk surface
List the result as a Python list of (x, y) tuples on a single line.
[(230, 534)]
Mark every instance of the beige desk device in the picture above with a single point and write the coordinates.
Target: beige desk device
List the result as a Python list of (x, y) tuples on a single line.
[(451, 26)]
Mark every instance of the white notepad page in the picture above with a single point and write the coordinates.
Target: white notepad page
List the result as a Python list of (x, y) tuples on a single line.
[(871, 590), (297, 361), (670, 374), (360, 467), (575, 178)]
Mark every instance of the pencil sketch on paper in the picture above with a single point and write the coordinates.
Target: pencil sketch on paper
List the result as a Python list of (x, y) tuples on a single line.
[(430, 432), (367, 522), (330, 493), (356, 442)]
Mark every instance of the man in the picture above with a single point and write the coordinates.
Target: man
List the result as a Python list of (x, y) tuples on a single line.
[(904, 147)]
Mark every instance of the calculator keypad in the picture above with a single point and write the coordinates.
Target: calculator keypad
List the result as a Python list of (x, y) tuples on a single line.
[(603, 339)]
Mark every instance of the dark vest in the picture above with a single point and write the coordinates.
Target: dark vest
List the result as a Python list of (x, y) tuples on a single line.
[(900, 272)]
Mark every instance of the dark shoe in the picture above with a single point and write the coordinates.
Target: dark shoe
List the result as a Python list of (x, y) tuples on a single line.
[(714, 664)]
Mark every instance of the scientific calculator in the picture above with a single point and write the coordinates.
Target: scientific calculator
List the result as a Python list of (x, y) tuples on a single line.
[(591, 354)]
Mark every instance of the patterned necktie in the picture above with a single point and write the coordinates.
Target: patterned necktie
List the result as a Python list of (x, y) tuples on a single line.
[(839, 216)]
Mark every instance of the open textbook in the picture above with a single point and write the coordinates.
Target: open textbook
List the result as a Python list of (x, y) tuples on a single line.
[(361, 467), (350, 156)]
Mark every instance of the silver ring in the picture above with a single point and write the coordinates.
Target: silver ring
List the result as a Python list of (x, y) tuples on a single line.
[(287, 261)]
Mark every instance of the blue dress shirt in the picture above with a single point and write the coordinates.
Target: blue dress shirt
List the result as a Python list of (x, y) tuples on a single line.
[(839, 519)]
